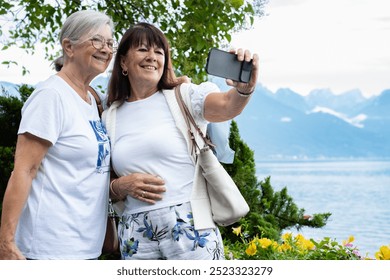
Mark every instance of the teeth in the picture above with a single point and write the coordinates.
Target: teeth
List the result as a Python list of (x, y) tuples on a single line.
[(150, 67), (100, 58)]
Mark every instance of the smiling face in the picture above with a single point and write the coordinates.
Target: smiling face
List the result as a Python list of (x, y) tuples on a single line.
[(144, 64), (91, 60)]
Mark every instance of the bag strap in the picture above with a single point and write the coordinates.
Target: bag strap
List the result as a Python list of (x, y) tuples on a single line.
[(98, 100), (188, 117), (183, 108)]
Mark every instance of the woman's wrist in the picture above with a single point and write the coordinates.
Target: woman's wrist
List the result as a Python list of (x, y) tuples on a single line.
[(115, 193), (244, 94)]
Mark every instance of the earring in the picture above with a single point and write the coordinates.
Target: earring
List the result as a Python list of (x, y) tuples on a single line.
[(124, 72)]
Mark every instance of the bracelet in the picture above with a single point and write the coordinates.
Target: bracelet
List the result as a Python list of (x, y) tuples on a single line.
[(244, 94), (112, 189)]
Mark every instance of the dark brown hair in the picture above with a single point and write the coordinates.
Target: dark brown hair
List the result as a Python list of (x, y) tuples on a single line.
[(119, 86)]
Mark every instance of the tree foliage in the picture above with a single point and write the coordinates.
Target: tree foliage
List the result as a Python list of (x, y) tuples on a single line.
[(10, 116), (192, 26), (270, 212)]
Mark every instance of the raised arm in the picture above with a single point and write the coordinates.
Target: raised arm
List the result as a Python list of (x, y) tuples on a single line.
[(223, 106)]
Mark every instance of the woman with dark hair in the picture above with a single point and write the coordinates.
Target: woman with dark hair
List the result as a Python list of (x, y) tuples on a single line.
[(147, 136), (119, 86)]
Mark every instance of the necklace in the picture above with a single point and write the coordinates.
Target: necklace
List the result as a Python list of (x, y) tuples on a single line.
[(80, 90)]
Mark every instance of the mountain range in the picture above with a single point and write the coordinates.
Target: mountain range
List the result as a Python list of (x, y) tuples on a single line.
[(321, 125), (287, 125)]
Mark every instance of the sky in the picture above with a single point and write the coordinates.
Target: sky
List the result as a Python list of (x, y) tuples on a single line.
[(335, 44), (303, 45)]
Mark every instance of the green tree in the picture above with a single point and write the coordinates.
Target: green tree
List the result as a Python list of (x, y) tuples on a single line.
[(270, 212), (10, 115), (192, 26)]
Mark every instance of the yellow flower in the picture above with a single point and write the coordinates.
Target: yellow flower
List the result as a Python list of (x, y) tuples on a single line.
[(300, 238), (383, 254), (265, 242), (309, 245), (284, 247), (287, 236), (252, 249), (349, 241), (304, 243), (237, 230)]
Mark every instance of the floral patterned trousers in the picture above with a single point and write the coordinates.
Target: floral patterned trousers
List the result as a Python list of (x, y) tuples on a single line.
[(169, 234)]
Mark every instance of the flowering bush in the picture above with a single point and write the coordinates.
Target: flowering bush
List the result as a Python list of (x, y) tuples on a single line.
[(295, 248)]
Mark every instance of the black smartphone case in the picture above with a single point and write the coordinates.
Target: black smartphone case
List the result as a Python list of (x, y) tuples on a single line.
[(225, 65)]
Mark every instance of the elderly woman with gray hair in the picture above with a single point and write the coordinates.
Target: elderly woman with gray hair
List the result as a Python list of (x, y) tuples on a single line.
[(55, 205)]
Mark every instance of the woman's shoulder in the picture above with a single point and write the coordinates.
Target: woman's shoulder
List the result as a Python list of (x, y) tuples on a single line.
[(204, 87), (50, 92), (53, 84), (46, 86)]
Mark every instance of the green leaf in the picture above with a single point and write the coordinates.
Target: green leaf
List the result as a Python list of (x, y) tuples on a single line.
[(192, 26)]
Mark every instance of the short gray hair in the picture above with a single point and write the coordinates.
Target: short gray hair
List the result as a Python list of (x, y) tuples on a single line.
[(79, 24)]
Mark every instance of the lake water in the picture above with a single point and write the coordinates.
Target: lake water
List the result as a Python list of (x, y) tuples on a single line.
[(357, 193)]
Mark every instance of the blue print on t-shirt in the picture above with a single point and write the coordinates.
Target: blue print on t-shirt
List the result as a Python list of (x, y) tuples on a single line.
[(103, 161)]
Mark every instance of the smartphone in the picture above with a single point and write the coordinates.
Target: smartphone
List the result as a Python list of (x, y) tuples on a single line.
[(225, 65)]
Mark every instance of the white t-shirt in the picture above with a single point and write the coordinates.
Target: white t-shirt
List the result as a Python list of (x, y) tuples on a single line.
[(148, 141), (65, 215)]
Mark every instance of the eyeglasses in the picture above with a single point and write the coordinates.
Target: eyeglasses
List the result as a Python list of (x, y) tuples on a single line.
[(98, 42)]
